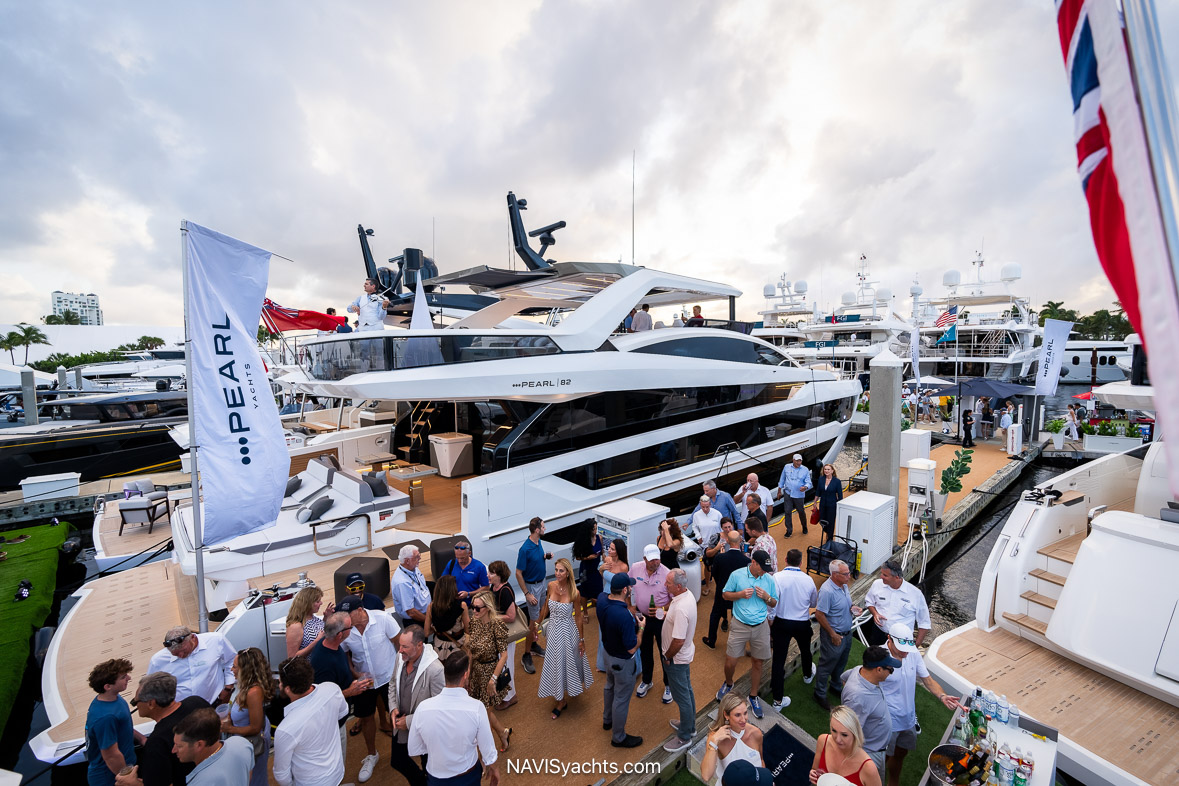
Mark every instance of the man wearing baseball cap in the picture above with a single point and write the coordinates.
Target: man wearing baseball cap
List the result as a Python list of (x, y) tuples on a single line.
[(619, 640), (864, 696), (900, 688), (746, 773), (651, 598), (355, 584), (793, 484), (754, 594)]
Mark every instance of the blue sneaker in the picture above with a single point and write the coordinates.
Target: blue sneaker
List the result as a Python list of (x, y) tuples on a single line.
[(725, 688), (755, 706)]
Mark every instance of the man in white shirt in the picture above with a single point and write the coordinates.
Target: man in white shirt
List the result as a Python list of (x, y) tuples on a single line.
[(641, 320), (372, 645), (900, 690), (307, 748), (370, 307), (202, 665), (679, 628), (452, 730), (753, 486), (792, 622), (891, 599)]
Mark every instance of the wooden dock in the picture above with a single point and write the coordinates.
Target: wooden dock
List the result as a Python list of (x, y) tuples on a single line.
[(14, 509)]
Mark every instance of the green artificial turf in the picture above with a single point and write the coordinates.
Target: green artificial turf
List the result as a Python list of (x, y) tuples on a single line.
[(931, 713), (35, 560)]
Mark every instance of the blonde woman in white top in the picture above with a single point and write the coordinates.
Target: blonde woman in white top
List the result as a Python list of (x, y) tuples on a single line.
[(730, 738)]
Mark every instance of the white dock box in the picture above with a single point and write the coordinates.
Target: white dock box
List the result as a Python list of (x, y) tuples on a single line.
[(43, 487), (451, 453), (868, 519), (914, 445)]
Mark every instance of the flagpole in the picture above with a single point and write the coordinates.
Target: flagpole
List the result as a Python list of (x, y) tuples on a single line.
[(193, 449)]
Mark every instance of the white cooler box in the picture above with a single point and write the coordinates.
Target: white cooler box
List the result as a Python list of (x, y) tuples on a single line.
[(452, 452), (914, 445)]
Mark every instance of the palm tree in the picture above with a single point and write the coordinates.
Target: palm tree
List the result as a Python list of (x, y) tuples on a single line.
[(1054, 309), (150, 342), (29, 335), (10, 342), (66, 317)]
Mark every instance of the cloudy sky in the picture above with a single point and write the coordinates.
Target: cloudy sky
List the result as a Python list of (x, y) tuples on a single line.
[(769, 138)]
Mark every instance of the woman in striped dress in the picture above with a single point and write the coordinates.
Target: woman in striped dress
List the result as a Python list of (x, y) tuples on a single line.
[(566, 671), (303, 627)]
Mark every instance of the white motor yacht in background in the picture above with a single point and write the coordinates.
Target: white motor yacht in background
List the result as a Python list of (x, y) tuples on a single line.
[(846, 340), (786, 313), (996, 329), (1095, 362), (1076, 615)]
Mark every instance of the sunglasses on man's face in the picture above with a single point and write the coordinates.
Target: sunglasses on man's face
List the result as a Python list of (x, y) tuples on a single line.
[(462, 548), (176, 642)]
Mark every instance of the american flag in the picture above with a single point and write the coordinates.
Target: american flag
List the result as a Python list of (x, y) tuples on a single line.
[(948, 317)]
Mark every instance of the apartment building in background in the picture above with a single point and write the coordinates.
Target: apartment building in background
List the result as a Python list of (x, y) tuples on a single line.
[(86, 306)]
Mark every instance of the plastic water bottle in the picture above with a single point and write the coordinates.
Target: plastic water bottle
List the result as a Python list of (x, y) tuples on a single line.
[(1006, 769), (1013, 716), (990, 703), (1003, 713)]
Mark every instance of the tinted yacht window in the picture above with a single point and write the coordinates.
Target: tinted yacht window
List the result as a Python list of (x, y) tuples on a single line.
[(712, 348)]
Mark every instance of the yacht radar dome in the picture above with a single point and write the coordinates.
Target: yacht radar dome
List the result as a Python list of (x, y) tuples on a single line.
[(848, 298), (951, 278), (800, 287), (915, 290), (1011, 272), (883, 295), (768, 291)]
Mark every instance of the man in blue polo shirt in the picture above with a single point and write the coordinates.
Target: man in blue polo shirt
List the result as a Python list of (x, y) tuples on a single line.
[(469, 574), (619, 640), (793, 484), (531, 572), (722, 501), (754, 594)]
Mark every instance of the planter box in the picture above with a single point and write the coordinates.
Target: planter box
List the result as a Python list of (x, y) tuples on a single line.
[(1057, 439), (1099, 444)]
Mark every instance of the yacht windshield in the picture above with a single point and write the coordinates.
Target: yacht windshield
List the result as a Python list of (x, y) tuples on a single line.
[(336, 360)]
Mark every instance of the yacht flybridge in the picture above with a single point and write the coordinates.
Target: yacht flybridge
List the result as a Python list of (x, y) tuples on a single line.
[(1052, 631), (996, 329), (845, 340)]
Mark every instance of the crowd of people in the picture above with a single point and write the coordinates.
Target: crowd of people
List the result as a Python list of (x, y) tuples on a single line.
[(437, 671)]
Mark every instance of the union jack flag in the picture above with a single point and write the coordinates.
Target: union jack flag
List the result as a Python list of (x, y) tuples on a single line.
[(948, 317)]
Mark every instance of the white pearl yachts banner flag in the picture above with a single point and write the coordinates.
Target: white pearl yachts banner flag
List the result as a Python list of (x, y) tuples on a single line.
[(243, 459)]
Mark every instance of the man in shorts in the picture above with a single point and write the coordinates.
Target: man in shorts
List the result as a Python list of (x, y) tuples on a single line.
[(531, 572), (753, 593), (900, 690)]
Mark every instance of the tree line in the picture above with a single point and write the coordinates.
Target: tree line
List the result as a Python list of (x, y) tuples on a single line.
[(27, 335), (1102, 325)]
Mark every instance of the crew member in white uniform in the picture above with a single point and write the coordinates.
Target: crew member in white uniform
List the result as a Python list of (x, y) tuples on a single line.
[(370, 307)]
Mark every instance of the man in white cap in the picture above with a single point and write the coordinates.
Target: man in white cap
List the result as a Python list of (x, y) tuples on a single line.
[(651, 598), (793, 484), (900, 690)]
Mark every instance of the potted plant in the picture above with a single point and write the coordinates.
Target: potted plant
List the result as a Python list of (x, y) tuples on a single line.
[(1056, 429), (952, 479)]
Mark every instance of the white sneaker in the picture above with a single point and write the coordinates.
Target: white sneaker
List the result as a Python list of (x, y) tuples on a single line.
[(782, 704), (643, 688), (367, 764), (667, 695), (807, 679)]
